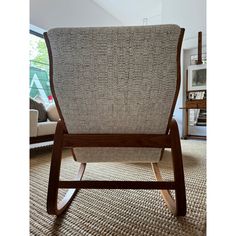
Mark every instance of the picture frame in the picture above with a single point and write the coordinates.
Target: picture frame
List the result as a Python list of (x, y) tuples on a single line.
[(197, 77)]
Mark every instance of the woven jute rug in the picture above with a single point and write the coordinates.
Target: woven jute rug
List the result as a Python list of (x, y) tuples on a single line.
[(120, 212)]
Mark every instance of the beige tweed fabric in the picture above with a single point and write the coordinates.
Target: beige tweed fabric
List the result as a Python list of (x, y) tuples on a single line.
[(120, 212), (115, 80), (101, 154)]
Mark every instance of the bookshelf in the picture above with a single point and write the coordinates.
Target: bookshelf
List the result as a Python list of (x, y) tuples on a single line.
[(195, 105)]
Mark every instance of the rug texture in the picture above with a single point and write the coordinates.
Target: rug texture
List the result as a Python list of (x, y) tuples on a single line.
[(120, 212)]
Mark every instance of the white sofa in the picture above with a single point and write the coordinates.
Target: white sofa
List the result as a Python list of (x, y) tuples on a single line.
[(43, 131)]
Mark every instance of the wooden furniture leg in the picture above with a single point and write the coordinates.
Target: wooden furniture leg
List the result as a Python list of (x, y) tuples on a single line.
[(177, 206), (53, 207), (186, 123)]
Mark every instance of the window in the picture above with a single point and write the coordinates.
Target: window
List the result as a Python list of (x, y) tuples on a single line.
[(39, 70)]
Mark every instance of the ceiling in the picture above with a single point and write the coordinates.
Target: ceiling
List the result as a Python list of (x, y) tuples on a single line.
[(48, 14), (133, 12), (55, 13), (189, 14)]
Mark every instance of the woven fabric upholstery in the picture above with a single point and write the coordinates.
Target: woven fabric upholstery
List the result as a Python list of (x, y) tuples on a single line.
[(115, 79), (108, 154)]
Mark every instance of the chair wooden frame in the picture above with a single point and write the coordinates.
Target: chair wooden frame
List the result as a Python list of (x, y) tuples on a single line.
[(170, 139)]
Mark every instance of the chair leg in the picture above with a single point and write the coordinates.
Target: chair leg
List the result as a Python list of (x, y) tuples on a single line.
[(162, 153), (170, 202), (53, 207), (73, 154), (180, 194), (177, 205)]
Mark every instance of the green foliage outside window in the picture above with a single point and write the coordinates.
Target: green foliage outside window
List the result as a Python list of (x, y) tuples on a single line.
[(39, 70)]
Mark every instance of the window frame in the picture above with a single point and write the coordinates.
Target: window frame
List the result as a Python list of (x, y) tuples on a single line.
[(40, 35)]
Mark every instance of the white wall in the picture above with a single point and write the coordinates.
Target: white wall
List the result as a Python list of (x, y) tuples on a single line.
[(189, 14), (47, 14), (132, 12)]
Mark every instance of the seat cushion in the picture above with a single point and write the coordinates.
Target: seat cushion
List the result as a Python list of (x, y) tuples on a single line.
[(111, 154), (33, 122), (46, 128)]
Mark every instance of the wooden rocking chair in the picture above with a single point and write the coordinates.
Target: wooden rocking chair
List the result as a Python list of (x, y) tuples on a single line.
[(115, 89)]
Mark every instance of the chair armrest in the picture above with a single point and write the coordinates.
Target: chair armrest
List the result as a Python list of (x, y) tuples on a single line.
[(33, 122)]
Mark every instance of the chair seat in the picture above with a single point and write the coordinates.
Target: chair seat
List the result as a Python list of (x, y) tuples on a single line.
[(114, 154)]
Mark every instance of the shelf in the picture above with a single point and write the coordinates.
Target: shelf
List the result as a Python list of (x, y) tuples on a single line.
[(195, 104), (200, 137)]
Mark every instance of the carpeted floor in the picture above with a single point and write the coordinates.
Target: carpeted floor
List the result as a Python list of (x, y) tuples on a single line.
[(120, 212)]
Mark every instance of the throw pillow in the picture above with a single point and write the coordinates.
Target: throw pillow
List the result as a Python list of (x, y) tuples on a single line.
[(41, 109), (52, 112)]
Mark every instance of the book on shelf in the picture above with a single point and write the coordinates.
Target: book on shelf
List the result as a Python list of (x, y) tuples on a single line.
[(196, 95), (202, 118)]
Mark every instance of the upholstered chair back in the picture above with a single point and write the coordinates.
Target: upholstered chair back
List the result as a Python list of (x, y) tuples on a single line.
[(115, 79)]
